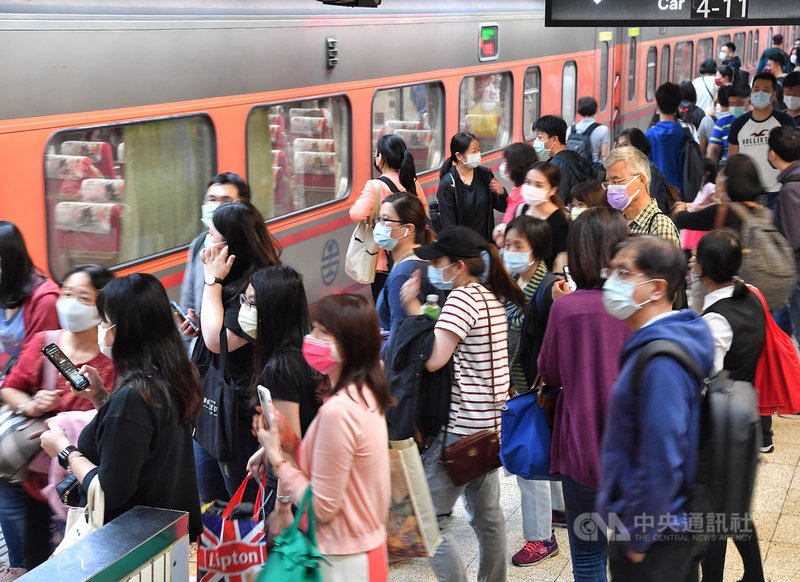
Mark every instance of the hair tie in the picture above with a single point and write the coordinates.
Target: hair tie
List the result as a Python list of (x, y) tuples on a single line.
[(427, 227)]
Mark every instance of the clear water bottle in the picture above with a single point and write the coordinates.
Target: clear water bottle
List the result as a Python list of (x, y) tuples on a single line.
[(431, 306)]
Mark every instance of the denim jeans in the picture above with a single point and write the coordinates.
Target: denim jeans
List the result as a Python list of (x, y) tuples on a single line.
[(784, 319), (794, 310), (13, 500), (588, 556), (482, 501), (538, 499), (217, 480)]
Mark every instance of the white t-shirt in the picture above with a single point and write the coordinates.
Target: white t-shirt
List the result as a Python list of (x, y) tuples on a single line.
[(481, 378), (599, 136), (706, 90), (751, 136)]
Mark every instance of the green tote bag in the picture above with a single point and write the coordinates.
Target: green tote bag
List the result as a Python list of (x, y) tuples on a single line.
[(295, 557)]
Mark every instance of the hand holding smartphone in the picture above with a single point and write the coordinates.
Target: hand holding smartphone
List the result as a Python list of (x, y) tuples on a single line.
[(182, 314), (265, 399), (65, 366)]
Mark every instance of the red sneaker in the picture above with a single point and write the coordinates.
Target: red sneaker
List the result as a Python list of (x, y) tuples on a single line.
[(534, 552)]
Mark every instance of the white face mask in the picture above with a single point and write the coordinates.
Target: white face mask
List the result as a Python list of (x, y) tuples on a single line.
[(575, 212), (472, 160), (793, 58), (207, 211), (101, 340), (75, 316), (723, 56), (248, 320), (532, 195), (792, 102)]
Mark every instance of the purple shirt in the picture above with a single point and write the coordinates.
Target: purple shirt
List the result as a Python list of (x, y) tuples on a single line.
[(581, 351)]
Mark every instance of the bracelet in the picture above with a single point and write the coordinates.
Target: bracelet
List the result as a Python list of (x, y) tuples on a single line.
[(276, 466), (283, 498)]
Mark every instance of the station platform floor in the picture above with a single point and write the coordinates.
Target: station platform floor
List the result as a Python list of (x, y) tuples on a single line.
[(775, 512)]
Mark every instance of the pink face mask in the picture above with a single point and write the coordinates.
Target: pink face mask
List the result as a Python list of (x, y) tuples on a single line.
[(321, 355)]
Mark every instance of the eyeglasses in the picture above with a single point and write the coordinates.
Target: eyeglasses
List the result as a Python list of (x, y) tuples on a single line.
[(606, 273), (617, 181), (244, 300), (382, 220)]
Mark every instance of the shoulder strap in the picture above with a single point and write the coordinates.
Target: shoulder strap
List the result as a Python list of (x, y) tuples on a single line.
[(521, 209), (792, 178), (390, 184), (662, 347), (588, 131), (652, 218), (540, 294)]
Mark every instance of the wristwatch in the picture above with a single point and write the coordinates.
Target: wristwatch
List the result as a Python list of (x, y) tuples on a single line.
[(21, 408), (212, 280), (63, 456)]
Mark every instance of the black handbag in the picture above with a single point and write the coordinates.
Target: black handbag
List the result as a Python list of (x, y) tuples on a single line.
[(217, 425), (69, 491)]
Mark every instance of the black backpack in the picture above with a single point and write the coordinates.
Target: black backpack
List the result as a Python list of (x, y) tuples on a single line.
[(692, 168), (730, 434), (581, 143)]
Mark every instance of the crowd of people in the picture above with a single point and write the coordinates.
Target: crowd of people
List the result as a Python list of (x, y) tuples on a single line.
[(589, 264)]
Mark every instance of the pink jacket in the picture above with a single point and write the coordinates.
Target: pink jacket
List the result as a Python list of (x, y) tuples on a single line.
[(514, 200), (363, 207), (344, 457)]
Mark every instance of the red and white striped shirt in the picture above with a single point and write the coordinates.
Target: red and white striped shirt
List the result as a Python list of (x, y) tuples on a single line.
[(481, 378)]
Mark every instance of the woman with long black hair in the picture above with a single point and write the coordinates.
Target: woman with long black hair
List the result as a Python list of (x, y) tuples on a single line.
[(241, 245), (468, 192), (140, 443)]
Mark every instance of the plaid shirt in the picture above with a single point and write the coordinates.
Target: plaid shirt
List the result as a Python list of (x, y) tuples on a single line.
[(652, 221)]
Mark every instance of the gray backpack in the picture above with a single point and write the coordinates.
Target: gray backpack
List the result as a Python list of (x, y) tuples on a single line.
[(767, 257)]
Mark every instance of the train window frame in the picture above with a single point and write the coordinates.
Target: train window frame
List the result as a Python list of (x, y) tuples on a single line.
[(741, 37), (688, 70), (50, 220), (574, 104), (347, 133), (632, 48), (754, 56), (442, 123), (604, 61), (527, 124), (507, 110), (704, 42), (651, 71), (666, 62)]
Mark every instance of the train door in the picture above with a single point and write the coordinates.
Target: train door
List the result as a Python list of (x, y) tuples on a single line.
[(611, 63)]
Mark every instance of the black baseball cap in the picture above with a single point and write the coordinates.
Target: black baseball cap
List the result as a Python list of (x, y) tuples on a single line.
[(454, 241)]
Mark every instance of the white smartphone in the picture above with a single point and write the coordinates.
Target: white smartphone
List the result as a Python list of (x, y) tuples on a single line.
[(265, 398), (572, 285)]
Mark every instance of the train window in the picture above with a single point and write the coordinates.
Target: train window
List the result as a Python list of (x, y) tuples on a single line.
[(741, 45), (603, 75), (569, 91), (298, 154), (754, 56), (665, 61), (531, 100), (722, 39), (652, 63), (118, 193), (748, 50), (485, 109), (682, 63), (632, 69), (705, 50), (415, 113)]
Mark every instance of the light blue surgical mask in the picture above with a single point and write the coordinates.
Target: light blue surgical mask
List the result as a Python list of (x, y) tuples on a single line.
[(760, 100), (436, 277), (618, 297), (736, 110), (383, 236), (517, 261), (541, 150), (207, 211)]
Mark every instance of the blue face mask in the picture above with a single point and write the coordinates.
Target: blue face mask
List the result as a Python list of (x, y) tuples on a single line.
[(517, 262), (760, 100), (436, 278), (618, 297), (383, 236)]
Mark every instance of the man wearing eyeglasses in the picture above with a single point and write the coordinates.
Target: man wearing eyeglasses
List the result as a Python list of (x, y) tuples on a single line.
[(627, 189), (650, 450)]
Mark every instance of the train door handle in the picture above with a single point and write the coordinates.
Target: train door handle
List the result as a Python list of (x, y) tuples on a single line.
[(616, 80)]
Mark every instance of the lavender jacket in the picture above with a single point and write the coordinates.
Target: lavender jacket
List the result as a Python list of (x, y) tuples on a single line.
[(581, 353)]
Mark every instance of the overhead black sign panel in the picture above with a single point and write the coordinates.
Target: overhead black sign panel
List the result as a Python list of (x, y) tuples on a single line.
[(670, 12)]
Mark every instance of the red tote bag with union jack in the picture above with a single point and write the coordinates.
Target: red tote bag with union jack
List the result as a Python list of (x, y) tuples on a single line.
[(229, 549)]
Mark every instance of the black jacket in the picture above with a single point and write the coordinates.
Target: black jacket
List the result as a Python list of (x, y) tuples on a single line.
[(422, 398), (452, 195), (574, 170)]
